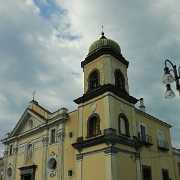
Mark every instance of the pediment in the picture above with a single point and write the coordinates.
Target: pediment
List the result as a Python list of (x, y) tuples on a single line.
[(29, 121)]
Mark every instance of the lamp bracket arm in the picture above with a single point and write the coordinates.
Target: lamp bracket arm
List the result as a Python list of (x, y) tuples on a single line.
[(169, 62), (179, 72)]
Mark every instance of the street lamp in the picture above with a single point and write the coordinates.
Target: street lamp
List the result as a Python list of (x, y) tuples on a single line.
[(169, 78)]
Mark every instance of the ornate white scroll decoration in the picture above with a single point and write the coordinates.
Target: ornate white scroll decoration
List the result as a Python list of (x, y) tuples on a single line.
[(60, 134), (45, 140), (52, 164)]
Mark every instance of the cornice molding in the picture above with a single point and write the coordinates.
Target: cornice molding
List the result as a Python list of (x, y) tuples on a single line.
[(108, 151), (56, 121), (105, 88), (109, 138), (153, 118), (102, 51)]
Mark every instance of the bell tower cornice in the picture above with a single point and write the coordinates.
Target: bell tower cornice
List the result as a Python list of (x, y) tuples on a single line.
[(103, 89), (102, 51)]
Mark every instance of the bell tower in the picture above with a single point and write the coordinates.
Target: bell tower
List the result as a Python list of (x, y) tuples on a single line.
[(105, 111), (104, 65)]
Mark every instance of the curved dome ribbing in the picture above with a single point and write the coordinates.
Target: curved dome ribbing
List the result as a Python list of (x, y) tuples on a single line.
[(103, 41)]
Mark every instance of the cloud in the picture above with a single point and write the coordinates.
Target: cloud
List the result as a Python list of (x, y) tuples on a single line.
[(43, 42)]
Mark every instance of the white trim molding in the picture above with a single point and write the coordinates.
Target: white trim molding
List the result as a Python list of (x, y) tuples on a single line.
[(52, 164)]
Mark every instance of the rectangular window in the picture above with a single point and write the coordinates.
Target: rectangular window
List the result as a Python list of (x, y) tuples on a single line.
[(165, 174), (146, 172), (53, 136), (179, 168), (160, 139), (143, 133), (10, 150)]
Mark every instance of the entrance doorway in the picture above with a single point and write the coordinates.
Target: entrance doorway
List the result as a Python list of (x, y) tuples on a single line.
[(27, 177)]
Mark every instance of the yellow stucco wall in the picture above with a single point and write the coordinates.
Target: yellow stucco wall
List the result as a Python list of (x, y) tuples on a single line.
[(153, 126), (94, 167), (126, 167)]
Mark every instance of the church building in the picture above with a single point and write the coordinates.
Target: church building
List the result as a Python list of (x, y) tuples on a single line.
[(105, 138)]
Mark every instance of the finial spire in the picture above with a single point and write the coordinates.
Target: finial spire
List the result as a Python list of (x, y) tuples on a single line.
[(102, 33), (34, 94)]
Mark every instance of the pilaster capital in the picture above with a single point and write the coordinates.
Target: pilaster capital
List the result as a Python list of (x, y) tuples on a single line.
[(6, 152), (60, 134), (15, 150), (79, 157), (45, 140)]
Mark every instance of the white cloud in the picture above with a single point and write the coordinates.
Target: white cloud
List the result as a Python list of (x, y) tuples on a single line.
[(44, 54)]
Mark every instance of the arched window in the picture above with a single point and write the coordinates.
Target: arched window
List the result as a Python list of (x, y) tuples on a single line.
[(93, 80), (123, 125), (93, 125), (119, 79)]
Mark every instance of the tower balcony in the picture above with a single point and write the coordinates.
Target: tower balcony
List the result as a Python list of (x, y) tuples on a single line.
[(145, 139), (163, 145)]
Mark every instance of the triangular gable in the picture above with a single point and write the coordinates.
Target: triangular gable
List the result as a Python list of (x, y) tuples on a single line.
[(24, 123)]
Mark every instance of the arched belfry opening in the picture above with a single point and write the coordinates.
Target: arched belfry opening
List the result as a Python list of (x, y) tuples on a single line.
[(119, 79), (93, 125), (93, 79)]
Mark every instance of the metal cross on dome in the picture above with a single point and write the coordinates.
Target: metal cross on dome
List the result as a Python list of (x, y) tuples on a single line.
[(34, 94)]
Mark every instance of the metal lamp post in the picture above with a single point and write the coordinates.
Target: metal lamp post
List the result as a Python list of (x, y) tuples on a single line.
[(169, 78)]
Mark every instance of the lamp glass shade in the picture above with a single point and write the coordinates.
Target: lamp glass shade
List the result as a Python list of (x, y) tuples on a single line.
[(169, 94), (168, 78)]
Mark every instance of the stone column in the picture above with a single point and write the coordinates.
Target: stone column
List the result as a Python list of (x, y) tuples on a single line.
[(5, 163), (111, 164), (134, 121), (109, 120), (45, 141), (60, 158), (79, 166), (138, 169), (80, 121), (14, 170)]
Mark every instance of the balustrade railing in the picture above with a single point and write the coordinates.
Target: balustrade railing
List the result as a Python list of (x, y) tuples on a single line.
[(163, 145), (145, 138)]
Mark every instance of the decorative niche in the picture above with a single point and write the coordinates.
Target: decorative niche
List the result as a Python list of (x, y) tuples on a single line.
[(29, 154), (31, 124), (52, 164), (9, 171)]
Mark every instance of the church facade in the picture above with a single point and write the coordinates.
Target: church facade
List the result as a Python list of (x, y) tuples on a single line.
[(106, 138)]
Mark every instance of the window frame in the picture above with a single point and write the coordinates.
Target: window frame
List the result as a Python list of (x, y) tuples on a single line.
[(50, 139), (166, 171), (146, 167), (68, 175), (116, 73), (179, 168), (11, 149), (89, 79), (122, 115), (159, 144), (98, 125), (31, 123), (142, 124)]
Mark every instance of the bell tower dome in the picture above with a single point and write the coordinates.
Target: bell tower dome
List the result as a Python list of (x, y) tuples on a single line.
[(105, 68)]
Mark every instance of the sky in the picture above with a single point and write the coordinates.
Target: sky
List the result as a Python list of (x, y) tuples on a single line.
[(42, 44)]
